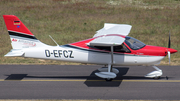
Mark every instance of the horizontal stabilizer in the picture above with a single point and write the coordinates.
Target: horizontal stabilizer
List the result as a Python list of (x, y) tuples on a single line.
[(15, 52)]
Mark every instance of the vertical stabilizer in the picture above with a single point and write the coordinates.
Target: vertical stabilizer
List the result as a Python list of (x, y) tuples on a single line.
[(19, 34)]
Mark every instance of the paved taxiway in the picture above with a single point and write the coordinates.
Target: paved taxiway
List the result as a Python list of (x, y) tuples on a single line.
[(79, 82)]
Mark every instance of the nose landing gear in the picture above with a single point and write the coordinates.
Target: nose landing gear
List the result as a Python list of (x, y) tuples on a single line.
[(155, 74)]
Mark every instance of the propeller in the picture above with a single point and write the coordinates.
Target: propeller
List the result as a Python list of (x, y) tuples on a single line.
[(169, 46), (169, 56)]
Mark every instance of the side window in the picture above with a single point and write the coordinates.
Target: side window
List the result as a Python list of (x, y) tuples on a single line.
[(121, 48), (106, 48)]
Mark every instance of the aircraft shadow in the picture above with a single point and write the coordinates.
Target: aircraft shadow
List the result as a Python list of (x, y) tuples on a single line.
[(91, 81), (99, 83)]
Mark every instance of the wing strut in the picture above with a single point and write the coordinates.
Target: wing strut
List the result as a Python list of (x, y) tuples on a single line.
[(112, 60)]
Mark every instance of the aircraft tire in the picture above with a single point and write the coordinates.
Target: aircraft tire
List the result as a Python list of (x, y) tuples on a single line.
[(157, 77), (108, 79)]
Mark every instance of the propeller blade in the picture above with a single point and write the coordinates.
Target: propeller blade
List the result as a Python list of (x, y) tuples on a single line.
[(169, 56), (169, 43)]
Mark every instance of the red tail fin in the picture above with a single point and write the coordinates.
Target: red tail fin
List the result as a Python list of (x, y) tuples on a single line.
[(14, 24), (20, 36)]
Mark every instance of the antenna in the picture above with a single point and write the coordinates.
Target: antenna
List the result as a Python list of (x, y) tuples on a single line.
[(53, 40)]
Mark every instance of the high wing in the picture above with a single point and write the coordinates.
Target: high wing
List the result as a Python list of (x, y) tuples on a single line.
[(107, 36)]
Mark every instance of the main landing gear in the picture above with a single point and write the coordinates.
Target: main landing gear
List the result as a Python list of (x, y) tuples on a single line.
[(155, 74), (107, 73)]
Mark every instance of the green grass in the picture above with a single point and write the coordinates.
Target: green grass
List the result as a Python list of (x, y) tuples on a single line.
[(69, 21)]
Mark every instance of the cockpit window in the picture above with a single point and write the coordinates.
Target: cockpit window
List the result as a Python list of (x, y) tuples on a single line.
[(134, 43)]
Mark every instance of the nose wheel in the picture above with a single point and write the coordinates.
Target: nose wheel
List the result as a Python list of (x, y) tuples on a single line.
[(155, 74)]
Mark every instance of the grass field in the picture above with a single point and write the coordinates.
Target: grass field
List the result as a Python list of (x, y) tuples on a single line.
[(69, 21)]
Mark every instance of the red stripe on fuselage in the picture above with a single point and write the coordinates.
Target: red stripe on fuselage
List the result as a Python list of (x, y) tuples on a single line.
[(82, 44)]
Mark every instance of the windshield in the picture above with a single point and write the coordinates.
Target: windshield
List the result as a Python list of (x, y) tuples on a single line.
[(134, 43)]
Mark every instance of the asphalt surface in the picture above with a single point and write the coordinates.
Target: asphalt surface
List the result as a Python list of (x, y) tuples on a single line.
[(80, 82)]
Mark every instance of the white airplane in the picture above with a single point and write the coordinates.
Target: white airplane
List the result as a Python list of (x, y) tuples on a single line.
[(109, 46)]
